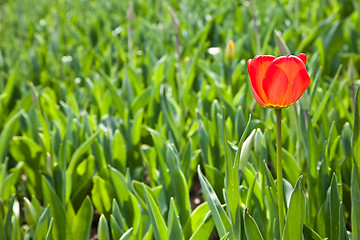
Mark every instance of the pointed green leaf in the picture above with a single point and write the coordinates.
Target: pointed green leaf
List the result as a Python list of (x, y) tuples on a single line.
[(80, 151), (103, 229), (126, 199), (116, 231), (49, 232), (334, 209), (136, 127), (42, 225), (196, 219), (6, 133), (355, 205), (119, 151), (225, 237), (127, 235), (221, 220), (356, 135), (174, 231), (29, 212), (310, 234), (203, 231), (157, 221), (296, 213), (325, 99), (61, 225), (178, 183), (83, 220), (252, 230)]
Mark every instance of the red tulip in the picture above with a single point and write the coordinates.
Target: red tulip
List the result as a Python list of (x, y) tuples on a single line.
[(278, 82)]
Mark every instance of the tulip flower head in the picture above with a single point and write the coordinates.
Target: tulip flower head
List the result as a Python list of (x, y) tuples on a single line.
[(278, 82)]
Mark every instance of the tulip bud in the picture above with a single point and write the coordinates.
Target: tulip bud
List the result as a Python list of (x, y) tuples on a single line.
[(29, 212), (230, 50), (246, 149), (283, 49)]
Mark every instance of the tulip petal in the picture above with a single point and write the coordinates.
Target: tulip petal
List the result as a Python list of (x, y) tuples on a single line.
[(275, 85), (303, 58), (279, 88), (257, 68), (257, 98), (300, 84)]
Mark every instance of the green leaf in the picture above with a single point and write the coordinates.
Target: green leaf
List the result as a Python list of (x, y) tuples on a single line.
[(334, 209), (103, 229), (6, 226), (246, 150), (296, 214), (315, 32), (213, 175), (159, 144), (204, 142), (116, 97), (342, 228), (80, 151), (25, 149), (29, 212), (225, 237), (157, 221), (232, 175), (252, 230), (9, 180), (127, 235), (118, 217), (196, 219), (174, 231), (6, 133), (127, 201), (249, 195), (61, 225), (171, 112), (74, 161), (49, 231), (203, 231), (119, 151), (136, 127), (83, 220), (310, 234), (356, 135), (291, 168), (102, 193), (42, 225), (281, 45), (355, 205), (116, 231), (178, 183), (325, 99), (221, 220)]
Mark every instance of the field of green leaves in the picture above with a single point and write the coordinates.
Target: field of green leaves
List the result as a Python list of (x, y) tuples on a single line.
[(125, 120)]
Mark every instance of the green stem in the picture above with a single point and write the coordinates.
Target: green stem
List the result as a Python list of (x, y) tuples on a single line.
[(279, 172), (230, 73)]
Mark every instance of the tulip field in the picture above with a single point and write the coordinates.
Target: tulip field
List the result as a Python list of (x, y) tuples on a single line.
[(135, 119)]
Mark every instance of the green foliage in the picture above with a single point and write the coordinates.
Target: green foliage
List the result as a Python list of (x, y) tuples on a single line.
[(117, 108), (296, 213)]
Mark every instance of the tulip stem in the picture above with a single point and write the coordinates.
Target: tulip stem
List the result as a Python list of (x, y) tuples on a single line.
[(230, 73), (279, 172)]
